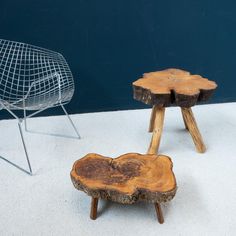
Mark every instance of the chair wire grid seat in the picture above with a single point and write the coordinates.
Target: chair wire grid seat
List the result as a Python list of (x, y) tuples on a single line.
[(33, 78)]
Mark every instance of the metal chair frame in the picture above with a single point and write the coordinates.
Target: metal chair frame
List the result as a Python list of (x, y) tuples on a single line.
[(33, 79)]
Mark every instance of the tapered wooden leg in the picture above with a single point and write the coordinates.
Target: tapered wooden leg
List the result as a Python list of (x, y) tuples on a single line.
[(94, 206), (157, 130), (193, 129), (159, 213), (152, 118), (185, 124)]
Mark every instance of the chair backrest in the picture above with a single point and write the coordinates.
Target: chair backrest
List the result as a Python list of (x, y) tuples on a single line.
[(23, 65)]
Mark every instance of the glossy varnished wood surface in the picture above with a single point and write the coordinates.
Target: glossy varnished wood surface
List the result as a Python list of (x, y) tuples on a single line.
[(129, 178), (172, 87)]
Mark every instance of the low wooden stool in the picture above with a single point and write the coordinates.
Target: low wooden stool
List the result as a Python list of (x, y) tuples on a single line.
[(173, 87), (127, 179)]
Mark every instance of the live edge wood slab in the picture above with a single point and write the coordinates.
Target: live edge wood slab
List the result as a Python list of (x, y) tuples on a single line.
[(127, 179), (173, 87)]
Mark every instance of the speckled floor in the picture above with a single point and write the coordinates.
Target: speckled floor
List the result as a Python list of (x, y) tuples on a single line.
[(48, 204)]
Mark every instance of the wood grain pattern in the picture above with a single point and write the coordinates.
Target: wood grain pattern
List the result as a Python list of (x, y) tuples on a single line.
[(193, 129), (157, 130), (185, 123), (172, 87), (152, 118), (127, 179)]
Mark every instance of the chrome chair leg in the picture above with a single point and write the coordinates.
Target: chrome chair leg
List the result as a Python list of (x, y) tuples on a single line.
[(25, 149), (73, 125), (25, 116), (29, 172), (51, 134)]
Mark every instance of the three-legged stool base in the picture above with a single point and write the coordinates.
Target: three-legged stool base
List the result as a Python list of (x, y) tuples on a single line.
[(156, 126)]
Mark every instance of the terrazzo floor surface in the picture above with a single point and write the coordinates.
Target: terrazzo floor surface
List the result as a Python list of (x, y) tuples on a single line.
[(48, 204)]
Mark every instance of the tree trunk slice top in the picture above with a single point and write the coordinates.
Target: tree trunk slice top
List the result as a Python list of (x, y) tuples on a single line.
[(127, 179), (173, 87)]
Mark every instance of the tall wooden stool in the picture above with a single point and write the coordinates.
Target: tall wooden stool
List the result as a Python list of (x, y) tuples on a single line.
[(173, 87)]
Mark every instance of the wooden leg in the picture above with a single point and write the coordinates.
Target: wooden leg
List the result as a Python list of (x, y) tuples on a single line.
[(152, 118), (94, 206), (193, 129), (157, 130), (185, 123), (159, 213)]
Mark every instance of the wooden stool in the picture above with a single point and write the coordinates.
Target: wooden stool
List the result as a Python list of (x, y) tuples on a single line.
[(173, 87), (127, 179)]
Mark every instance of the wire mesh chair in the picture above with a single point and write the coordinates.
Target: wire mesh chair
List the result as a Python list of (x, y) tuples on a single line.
[(32, 79)]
